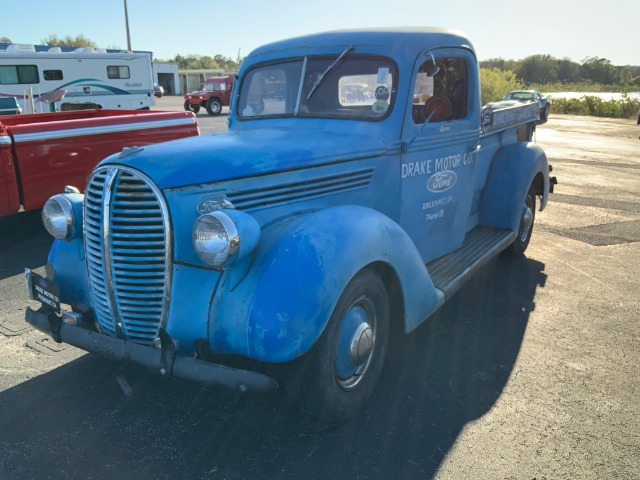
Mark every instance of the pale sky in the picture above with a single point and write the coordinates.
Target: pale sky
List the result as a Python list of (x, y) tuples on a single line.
[(511, 30)]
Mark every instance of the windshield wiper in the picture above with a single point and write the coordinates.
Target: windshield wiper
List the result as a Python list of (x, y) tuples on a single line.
[(329, 68)]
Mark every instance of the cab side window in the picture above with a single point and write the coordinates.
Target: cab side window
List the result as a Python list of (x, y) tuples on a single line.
[(441, 93)]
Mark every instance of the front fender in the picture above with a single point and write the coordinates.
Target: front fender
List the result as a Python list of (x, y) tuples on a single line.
[(68, 262), (513, 170), (300, 268)]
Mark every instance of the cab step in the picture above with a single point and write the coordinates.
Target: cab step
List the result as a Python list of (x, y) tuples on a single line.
[(480, 245)]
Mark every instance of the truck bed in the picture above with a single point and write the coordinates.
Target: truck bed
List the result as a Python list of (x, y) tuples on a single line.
[(42, 153)]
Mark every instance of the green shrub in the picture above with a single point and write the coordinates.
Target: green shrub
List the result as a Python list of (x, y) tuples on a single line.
[(496, 83), (626, 107)]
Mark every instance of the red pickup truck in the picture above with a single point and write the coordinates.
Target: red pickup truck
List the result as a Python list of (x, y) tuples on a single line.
[(42, 153)]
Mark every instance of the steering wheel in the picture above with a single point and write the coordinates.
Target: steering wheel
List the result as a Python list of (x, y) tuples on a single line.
[(437, 109)]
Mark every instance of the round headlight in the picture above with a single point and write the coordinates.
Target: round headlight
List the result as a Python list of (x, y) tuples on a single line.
[(58, 217), (216, 239)]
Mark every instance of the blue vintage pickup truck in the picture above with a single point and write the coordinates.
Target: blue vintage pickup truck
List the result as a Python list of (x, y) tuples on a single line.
[(360, 183)]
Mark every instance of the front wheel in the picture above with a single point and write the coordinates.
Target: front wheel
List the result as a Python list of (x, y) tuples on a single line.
[(191, 107), (336, 377), (214, 107), (527, 217)]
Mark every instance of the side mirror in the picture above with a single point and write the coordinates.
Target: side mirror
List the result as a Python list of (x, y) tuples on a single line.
[(433, 69)]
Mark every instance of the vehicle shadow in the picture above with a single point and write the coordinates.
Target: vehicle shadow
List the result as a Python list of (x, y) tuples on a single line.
[(23, 243), (91, 419)]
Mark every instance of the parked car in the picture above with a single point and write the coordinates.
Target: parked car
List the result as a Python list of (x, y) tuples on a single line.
[(158, 90), (531, 96), (9, 106)]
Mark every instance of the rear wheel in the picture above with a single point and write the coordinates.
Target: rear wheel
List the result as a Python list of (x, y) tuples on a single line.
[(336, 377), (544, 115), (214, 107), (527, 217)]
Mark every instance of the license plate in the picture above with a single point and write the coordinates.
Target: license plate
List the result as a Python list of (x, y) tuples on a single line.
[(42, 290)]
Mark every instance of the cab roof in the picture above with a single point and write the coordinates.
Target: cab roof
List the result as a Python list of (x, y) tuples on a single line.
[(387, 39)]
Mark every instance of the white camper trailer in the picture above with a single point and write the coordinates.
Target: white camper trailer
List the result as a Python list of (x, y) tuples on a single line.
[(86, 77)]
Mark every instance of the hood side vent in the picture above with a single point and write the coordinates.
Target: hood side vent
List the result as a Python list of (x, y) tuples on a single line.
[(303, 190)]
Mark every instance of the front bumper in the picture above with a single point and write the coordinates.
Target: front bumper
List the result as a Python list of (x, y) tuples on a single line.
[(164, 359)]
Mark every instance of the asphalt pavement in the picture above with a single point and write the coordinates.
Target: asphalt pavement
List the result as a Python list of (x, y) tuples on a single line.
[(530, 372)]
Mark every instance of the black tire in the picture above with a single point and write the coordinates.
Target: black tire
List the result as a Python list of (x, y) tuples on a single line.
[(214, 107), (190, 107), (544, 114), (332, 386), (527, 218)]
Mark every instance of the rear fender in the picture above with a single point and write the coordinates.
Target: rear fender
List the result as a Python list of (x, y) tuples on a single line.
[(514, 168), (301, 266)]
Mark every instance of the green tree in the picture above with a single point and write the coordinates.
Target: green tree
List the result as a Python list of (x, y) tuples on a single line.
[(568, 71), (539, 69), (598, 70), (496, 83), (68, 41), (198, 62), (5, 40), (626, 76)]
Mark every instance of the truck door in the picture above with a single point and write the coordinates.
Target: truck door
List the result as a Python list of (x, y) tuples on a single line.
[(440, 136)]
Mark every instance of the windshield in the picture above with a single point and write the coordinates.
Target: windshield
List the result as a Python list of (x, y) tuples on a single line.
[(355, 88), (213, 87), (519, 96)]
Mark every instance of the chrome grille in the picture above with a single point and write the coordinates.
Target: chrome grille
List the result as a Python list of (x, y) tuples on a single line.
[(127, 239)]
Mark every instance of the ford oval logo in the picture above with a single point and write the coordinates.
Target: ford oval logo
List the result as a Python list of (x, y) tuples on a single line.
[(442, 181), (213, 202)]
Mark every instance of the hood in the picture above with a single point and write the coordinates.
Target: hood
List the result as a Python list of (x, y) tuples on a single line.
[(198, 93), (245, 153)]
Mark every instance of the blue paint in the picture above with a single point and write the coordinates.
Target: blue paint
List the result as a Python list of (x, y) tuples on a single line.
[(317, 200), (513, 170), (67, 258), (299, 270)]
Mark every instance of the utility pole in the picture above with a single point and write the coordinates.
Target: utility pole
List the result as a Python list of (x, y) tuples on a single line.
[(126, 21)]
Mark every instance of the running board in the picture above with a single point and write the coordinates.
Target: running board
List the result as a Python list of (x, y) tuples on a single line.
[(480, 245)]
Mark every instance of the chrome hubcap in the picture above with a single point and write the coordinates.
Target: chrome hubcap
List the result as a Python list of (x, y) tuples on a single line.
[(527, 220), (361, 344), (355, 343)]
